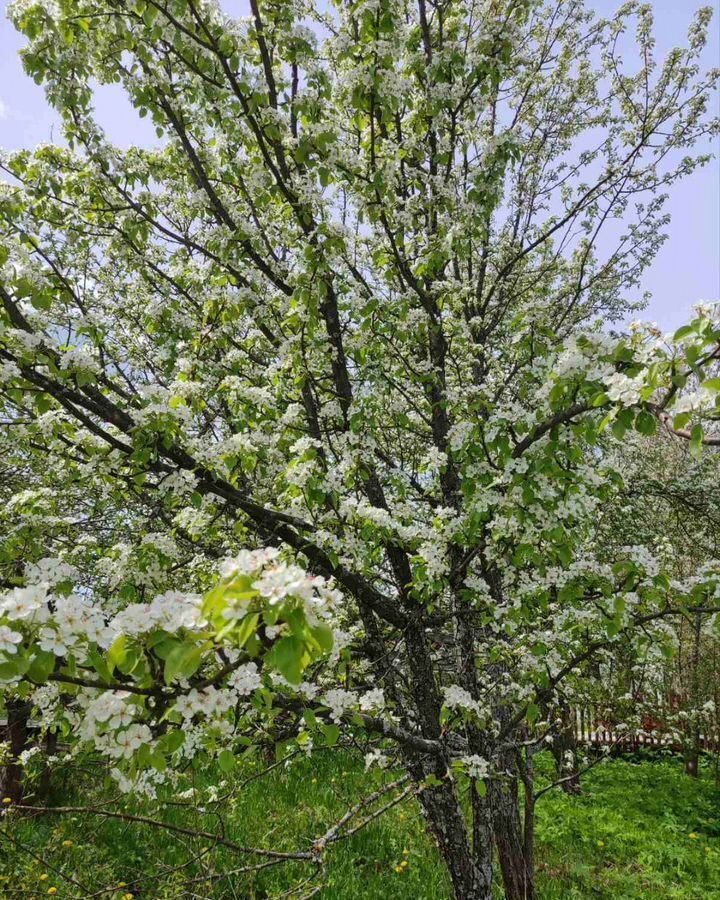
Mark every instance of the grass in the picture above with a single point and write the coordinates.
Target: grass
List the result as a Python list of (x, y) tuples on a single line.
[(637, 831)]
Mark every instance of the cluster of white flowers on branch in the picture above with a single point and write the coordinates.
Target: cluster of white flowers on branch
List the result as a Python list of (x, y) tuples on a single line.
[(182, 659)]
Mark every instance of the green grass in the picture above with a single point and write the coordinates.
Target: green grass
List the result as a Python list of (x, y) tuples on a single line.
[(629, 835), (637, 831)]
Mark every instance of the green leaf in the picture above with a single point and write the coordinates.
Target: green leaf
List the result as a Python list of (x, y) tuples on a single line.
[(682, 332), (287, 657), (226, 761), (99, 663), (14, 666), (609, 417), (172, 741), (41, 666), (246, 629), (42, 403), (184, 661), (696, 441), (323, 636), (618, 429), (117, 652), (565, 554), (129, 661), (646, 423), (331, 733), (157, 761)]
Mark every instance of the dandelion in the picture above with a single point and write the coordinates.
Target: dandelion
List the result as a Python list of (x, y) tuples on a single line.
[(52, 890), (399, 870), (692, 836), (44, 876), (601, 843), (67, 843), (7, 800)]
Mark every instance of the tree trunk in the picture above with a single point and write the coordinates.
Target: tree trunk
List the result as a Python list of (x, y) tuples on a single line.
[(526, 769), (471, 880), (517, 870), (45, 782), (692, 756), (15, 733), (482, 842), (439, 800)]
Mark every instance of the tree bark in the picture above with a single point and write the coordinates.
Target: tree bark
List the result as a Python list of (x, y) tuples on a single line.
[(439, 800), (15, 732), (483, 842), (443, 813), (517, 870), (45, 782), (692, 756)]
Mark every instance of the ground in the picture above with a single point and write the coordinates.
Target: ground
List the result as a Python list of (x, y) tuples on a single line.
[(639, 830)]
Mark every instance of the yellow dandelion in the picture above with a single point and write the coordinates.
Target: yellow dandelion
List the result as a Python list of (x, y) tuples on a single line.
[(399, 870), (44, 876), (692, 836), (52, 890), (7, 800), (402, 817), (314, 781), (708, 850), (122, 884), (67, 843), (127, 897), (601, 843), (404, 864), (406, 852)]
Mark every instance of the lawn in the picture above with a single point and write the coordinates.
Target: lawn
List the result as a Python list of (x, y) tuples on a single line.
[(637, 831)]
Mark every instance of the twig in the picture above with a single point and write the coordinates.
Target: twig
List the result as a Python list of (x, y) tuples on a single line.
[(178, 829), (333, 834), (573, 775)]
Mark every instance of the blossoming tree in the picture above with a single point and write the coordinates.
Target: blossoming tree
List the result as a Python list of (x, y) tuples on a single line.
[(346, 327)]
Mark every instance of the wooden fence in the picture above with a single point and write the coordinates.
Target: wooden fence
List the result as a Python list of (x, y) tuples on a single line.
[(595, 730)]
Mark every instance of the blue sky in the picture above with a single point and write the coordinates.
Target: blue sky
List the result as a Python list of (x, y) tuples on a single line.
[(686, 270)]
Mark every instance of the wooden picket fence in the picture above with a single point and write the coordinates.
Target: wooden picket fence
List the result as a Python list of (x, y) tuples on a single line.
[(594, 730)]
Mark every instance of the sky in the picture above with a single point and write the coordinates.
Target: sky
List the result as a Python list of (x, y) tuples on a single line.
[(685, 271)]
